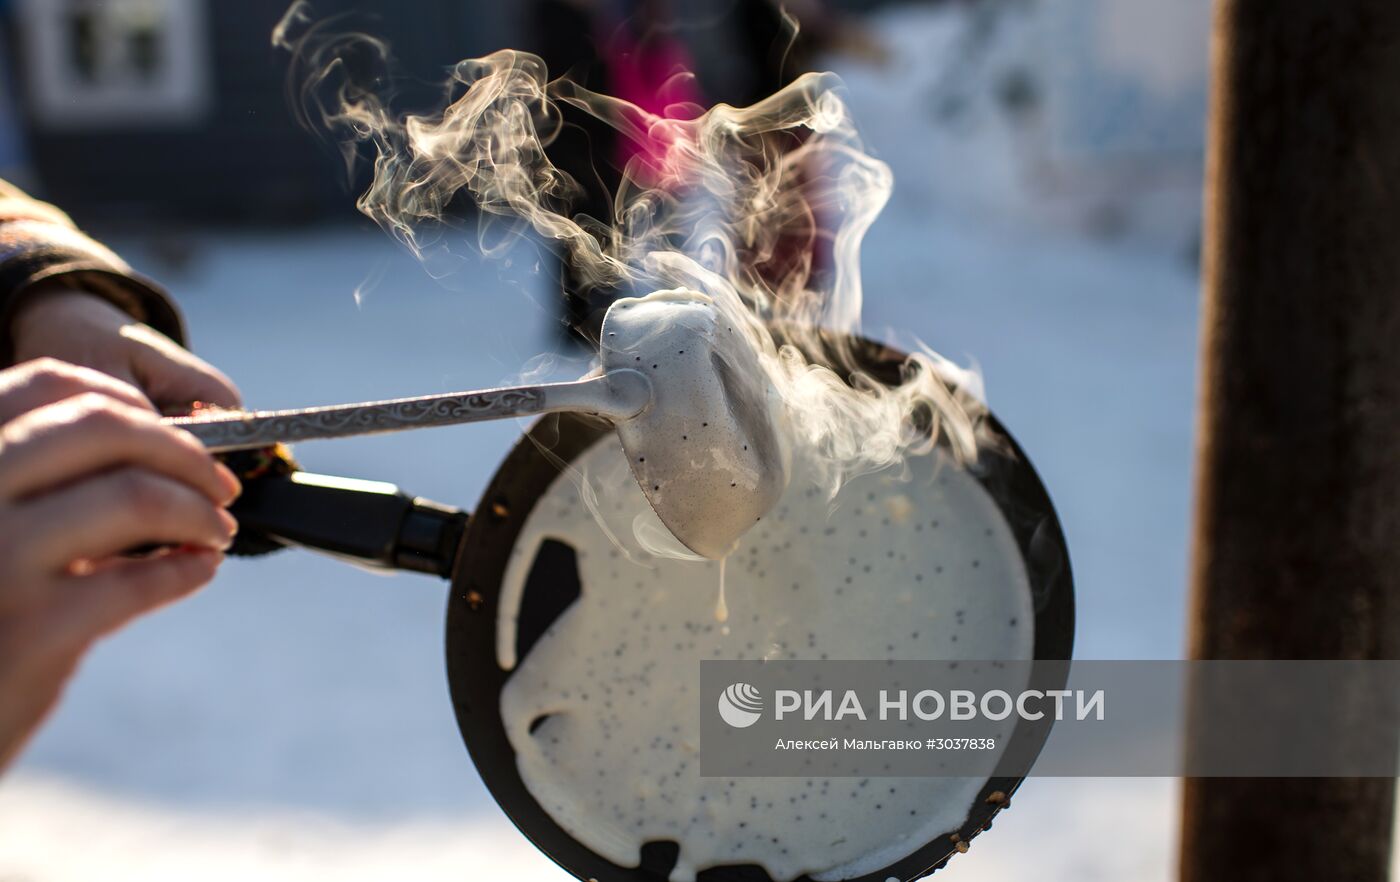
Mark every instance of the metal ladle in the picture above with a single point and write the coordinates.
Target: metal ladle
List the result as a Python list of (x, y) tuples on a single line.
[(691, 405)]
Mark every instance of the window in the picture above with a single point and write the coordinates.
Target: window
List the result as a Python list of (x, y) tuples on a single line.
[(115, 63)]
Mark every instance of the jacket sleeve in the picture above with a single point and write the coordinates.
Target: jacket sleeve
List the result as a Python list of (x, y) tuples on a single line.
[(39, 243)]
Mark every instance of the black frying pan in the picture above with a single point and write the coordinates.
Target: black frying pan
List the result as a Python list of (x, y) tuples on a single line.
[(376, 524)]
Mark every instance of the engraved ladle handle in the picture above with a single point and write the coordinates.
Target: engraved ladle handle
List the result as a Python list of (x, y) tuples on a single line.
[(617, 395)]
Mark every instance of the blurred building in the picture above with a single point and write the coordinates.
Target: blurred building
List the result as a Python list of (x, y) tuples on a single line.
[(176, 109)]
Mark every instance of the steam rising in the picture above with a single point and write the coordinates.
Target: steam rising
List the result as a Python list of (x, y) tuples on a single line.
[(761, 208)]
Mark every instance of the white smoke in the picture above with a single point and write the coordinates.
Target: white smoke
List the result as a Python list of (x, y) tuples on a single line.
[(762, 208)]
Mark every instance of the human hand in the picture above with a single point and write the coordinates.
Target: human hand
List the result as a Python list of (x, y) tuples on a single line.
[(83, 329), (87, 471)]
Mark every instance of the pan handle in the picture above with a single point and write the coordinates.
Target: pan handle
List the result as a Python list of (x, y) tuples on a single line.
[(368, 522)]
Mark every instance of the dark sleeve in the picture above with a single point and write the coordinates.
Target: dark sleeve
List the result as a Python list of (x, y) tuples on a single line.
[(38, 243)]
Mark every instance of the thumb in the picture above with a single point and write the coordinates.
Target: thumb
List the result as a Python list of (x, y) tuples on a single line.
[(174, 377)]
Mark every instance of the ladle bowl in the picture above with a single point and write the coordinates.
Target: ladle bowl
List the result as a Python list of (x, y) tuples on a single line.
[(707, 451)]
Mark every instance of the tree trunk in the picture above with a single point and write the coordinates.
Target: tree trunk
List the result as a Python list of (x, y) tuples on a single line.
[(1297, 542)]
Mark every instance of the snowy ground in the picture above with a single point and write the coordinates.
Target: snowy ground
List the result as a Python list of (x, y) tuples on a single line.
[(292, 721)]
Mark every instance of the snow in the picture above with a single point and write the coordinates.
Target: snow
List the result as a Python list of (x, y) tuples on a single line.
[(292, 721)]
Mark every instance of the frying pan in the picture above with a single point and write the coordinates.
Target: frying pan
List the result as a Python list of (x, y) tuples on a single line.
[(375, 524)]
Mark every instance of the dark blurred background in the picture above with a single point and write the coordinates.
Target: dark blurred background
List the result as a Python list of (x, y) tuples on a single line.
[(148, 109)]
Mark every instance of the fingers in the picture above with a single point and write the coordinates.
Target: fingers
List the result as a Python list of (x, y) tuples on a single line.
[(81, 328), (86, 472), (172, 375), (110, 513), (87, 607), (89, 433), (46, 381)]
